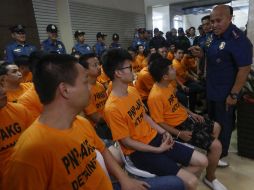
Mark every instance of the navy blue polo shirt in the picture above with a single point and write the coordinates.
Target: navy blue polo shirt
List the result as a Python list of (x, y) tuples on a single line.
[(115, 45), (100, 47), (49, 46), (82, 48), (138, 41), (225, 54), (15, 50)]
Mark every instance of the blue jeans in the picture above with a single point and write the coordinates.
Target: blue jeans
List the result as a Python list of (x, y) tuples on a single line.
[(160, 183)]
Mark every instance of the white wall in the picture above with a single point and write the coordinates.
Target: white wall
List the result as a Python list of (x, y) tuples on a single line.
[(240, 19), (161, 18), (136, 6)]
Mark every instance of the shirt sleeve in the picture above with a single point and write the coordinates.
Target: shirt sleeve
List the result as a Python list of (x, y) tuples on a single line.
[(117, 124), (242, 51), (9, 55), (156, 109)]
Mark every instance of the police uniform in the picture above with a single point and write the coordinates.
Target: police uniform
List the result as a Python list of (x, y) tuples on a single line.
[(82, 48), (100, 47), (138, 41), (50, 46), (16, 49), (225, 54), (115, 43)]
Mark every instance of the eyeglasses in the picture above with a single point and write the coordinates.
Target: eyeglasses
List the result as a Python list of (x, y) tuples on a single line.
[(129, 67)]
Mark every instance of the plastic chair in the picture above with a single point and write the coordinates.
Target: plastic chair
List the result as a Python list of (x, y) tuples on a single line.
[(130, 168)]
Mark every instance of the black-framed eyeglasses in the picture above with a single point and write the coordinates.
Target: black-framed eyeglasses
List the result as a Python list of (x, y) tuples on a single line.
[(129, 67)]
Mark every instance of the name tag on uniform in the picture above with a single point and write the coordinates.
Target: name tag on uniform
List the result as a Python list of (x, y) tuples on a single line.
[(88, 48), (17, 50), (222, 45)]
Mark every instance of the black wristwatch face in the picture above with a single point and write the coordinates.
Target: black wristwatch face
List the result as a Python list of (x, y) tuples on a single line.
[(234, 95)]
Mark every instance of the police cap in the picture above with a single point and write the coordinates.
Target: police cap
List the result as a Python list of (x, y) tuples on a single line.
[(51, 28)]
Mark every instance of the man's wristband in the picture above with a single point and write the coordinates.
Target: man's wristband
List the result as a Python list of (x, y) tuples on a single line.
[(234, 96)]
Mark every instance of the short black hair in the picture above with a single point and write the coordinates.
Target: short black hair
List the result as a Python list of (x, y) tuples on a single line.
[(192, 27), (22, 60), (113, 59), (207, 17), (158, 68), (3, 68), (50, 71), (153, 57), (35, 57), (83, 59)]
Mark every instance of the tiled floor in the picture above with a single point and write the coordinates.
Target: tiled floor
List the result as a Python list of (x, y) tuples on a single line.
[(239, 175)]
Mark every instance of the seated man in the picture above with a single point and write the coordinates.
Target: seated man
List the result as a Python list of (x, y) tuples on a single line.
[(24, 67), (15, 118), (58, 150), (98, 95), (144, 82), (183, 124), (12, 82), (185, 80), (139, 58), (149, 146)]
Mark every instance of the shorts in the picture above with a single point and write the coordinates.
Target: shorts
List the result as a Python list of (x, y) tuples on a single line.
[(201, 132), (165, 163)]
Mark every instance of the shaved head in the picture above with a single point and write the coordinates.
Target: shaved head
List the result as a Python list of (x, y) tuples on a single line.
[(221, 18)]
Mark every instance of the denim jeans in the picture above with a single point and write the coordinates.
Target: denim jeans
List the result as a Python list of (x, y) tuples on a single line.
[(160, 183)]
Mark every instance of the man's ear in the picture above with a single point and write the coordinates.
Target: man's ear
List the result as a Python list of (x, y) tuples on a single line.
[(117, 74), (63, 90), (2, 80)]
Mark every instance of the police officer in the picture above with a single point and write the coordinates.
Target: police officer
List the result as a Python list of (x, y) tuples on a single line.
[(140, 39), (52, 45), (115, 43), (158, 40), (80, 46), (19, 46), (229, 56), (100, 46)]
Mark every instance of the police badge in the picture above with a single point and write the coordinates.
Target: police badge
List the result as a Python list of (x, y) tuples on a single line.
[(209, 41), (222, 45), (59, 46)]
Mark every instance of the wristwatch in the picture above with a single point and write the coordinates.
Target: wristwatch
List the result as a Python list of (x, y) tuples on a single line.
[(234, 96)]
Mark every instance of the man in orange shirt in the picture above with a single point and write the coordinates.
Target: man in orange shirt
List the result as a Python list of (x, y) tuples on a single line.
[(187, 83), (15, 118), (11, 81), (144, 82), (149, 146), (24, 67), (185, 125), (98, 96), (137, 63), (58, 150)]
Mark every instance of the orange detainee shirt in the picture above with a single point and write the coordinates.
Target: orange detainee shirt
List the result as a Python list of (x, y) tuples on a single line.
[(49, 158), (13, 95), (31, 101), (144, 83), (14, 119), (125, 117), (103, 78), (164, 106), (181, 71), (27, 78), (98, 98), (137, 63)]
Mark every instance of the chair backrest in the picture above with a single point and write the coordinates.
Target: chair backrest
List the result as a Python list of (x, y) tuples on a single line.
[(100, 159), (129, 166)]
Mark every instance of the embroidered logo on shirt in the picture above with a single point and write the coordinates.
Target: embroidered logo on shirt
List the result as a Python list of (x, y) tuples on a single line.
[(222, 45)]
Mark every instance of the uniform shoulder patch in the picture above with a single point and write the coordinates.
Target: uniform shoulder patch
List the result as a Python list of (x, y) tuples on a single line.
[(235, 34)]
